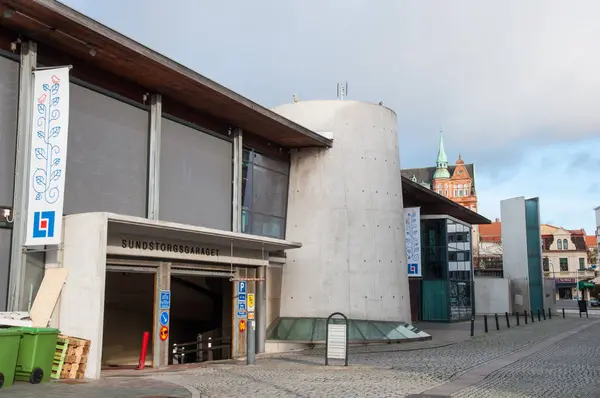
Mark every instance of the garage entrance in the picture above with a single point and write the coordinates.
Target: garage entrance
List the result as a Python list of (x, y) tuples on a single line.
[(128, 313), (201, 315)]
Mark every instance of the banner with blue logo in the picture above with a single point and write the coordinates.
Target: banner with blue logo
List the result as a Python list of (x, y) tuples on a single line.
[(412, 228), (48, 156)]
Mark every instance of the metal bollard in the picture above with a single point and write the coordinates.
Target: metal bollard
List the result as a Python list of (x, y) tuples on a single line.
[(485, 324), (518, 321), (544, 314), (563, 313), (549, 313), (507, 320), (526, 318), (472, 326), (497, 324), (532, 317), (539, 316)]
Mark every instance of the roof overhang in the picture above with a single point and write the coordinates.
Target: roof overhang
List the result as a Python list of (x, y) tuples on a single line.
[(118, 223), (56, 25), (431, 203)]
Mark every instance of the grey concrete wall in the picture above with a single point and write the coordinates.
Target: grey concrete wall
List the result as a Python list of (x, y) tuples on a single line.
[(274, 277), (82, 298), (492, 295), (550, 294), (519, 295), (345, 206), (514, 238)]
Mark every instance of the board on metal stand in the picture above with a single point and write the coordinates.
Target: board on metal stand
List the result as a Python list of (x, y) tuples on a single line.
[(337, 338)]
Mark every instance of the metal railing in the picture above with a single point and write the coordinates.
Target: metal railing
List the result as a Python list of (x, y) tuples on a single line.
[(201, 350)]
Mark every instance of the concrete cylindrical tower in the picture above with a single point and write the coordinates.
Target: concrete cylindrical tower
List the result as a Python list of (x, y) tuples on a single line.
[(345, 207)]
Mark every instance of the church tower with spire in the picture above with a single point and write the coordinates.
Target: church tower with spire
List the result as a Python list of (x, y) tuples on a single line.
[(441, 176)]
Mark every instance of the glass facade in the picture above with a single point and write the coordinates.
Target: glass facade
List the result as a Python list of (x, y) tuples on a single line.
[(264, 195), (447, 284)]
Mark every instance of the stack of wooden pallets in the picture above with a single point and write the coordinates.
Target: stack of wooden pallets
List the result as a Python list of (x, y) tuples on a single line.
[(70, 358)]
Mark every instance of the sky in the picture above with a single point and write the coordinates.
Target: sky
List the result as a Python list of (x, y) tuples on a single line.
[(514, 85)]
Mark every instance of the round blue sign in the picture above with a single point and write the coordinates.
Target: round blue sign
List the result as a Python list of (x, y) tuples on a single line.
[(164, 318)]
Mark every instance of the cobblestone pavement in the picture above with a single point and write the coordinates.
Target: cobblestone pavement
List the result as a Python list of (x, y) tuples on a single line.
[(107, 388), (370, 374), (569, 366)]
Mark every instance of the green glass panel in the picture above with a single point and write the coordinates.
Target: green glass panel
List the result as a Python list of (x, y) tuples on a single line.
[(435, 300), (369, 331), (301, 329)]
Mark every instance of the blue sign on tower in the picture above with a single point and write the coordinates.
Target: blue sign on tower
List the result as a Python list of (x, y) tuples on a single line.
[(242, 287)]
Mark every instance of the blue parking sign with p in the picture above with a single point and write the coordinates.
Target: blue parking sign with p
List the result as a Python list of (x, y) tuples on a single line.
[(242, 287)]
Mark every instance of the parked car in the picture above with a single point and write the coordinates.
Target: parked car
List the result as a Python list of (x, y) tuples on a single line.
[(594, 302)]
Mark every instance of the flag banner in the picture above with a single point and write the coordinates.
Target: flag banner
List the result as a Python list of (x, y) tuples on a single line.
[(412, 225), (48, 156)]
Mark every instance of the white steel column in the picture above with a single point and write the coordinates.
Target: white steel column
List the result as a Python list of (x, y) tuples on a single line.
[(21, 189), (154, 158), (236, 209), (261, 308)]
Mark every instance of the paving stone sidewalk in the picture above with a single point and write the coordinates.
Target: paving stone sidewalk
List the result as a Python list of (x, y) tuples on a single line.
[(376, 374), (107, 388)]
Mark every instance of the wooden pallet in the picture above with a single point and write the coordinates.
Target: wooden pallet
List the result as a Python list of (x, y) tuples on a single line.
[(76, 356), (62, 346)]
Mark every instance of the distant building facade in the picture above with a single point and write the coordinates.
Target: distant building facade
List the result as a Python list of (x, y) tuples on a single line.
[(565, 259), (456, 182)]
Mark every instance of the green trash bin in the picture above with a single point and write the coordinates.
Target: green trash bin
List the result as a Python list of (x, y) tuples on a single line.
[(36, 354), (10, 340)]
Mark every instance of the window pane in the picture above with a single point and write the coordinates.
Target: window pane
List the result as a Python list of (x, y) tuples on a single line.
[(565, 244), (269, 163), (269, 192), (267, 226), (246, 185), (246, 223), (559, 244)]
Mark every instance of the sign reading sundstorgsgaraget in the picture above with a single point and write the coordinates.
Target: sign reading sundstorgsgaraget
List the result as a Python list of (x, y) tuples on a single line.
[(412, 225), (48, 156)]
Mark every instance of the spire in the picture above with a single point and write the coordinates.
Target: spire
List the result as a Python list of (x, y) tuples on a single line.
[(442, 161)]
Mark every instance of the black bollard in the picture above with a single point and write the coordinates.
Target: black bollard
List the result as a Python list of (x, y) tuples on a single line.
[(485, 325), (539, 316), (525, 316), (497, 323), (563, 313), (549, 314), (518, 322), (472, 326), (532, 317), (544, 314), (507, 320)]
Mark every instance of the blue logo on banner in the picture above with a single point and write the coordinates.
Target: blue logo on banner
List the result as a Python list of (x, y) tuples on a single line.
[(242, 297), (165, 299), (242, 287), (164, 318), (43, 224), (413, 269)]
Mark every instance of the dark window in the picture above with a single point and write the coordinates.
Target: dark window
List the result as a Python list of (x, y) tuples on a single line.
[(581, 263), (459, 255), (264, 195), (565, 245), (546, 264), (559, 243), (564, 264)]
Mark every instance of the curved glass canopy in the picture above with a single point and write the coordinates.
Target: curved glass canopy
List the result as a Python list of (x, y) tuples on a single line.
[(312, 330)]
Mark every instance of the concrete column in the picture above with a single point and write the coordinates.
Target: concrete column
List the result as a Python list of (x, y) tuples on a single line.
[(261, 309), (236, 210), (21, 190), (160, 351), (154, 157)]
